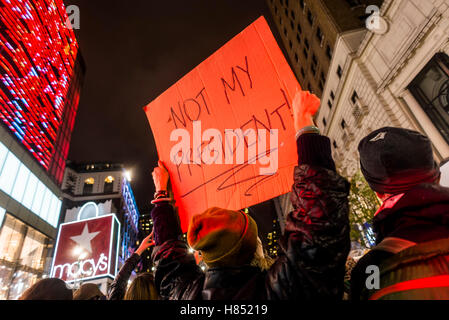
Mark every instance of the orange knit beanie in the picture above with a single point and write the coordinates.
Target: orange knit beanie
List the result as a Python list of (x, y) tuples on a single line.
[(225, 238)]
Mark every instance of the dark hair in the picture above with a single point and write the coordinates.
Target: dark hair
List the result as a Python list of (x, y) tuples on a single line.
[(443, 162), (48, 289), (88, 291), (142, 288)]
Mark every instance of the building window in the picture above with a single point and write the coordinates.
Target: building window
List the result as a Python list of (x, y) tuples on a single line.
[(285, 31), (275, 10), (303, 73), (324, 122), (314, 59), (306, 43), (332, 95), (431, 89), (296, 57), (354, 3), (306, 54), (321, 86), (309, 87), (292, 13), (88, 185), (335, 144), (314, 64), (298, 38), (313, 68), (310, 17), (319, 35), (301, 3), (292, 25), (23, 255), (339, 72), (354, 97), (286, 12), (329, 52), (109, 184), (329, 103), (290, 43), (343, 124), (299, 29)]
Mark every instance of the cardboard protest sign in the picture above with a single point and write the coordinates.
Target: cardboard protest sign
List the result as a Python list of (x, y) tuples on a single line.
[(225, 130)]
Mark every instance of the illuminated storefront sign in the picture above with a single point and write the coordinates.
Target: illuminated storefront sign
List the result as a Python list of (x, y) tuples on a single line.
[(37, 67), (87, 249), (130, 202)]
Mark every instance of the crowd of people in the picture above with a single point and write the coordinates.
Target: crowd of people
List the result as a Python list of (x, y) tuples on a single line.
[(410, 259)]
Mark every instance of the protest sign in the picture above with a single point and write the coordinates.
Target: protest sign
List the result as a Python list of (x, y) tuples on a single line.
[(225, 130)]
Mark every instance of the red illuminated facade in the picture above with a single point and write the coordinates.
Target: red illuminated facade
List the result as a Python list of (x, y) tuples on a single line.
[(41, 73)]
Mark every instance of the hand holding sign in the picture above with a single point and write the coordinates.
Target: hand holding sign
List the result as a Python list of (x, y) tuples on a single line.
[(160, 177), (305, 105)]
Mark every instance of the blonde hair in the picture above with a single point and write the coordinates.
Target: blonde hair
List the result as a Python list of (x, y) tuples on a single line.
[(142, 288), (88, 291), (261, 259)]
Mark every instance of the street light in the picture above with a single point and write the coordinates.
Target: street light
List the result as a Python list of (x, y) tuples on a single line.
[(77, 251)]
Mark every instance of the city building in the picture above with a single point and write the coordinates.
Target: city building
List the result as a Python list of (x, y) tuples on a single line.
[(267, 217), (145, 228), (92, 190), (396, 75), (309, 30), (41, 73)]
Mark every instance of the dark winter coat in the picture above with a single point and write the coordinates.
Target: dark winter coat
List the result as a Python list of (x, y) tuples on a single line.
[(118, 287), (419, 215), (314, 247)]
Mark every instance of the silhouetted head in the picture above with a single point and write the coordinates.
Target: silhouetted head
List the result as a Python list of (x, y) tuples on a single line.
[(142, 288), (48, 289), (394, 160), (88, 291)]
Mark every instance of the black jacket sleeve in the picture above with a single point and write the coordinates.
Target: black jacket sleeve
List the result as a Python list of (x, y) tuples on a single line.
[(118, 287), (176, 269), (316, 241)]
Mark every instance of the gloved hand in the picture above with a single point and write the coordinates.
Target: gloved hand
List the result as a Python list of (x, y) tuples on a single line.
[(305, 105)]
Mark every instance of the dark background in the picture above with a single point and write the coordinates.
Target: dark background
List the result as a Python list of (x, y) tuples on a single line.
[(134, 51)]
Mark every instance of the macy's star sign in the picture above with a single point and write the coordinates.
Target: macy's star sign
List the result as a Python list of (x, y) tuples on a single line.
[(84, 238)]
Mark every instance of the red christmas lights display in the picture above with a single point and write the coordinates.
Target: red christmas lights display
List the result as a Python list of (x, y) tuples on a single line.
[(37, 68)]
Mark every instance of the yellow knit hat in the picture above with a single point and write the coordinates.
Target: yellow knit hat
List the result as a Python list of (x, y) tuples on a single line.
[(225, 238)]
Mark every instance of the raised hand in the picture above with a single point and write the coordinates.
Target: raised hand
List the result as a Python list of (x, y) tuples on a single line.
[(305, 105), (146, 243), (160, 177)]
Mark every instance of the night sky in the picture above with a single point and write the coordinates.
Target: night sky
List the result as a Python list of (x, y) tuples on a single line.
[(134, 51)]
